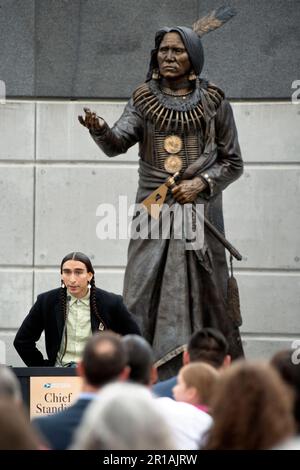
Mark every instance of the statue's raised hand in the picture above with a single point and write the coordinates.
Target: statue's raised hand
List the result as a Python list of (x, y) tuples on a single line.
[(91, 121)]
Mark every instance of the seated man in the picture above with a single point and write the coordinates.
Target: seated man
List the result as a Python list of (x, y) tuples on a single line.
[(207, 345), (140, 360), (69, 315), (104, 360)]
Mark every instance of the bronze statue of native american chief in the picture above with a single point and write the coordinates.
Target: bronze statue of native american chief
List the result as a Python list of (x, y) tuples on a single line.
[(184, 126)]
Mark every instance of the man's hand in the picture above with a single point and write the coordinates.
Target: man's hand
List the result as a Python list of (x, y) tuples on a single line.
[(91, 120), (187, 190)]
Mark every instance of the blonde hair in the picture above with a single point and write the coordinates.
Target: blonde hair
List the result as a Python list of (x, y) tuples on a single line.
[(203, 377)]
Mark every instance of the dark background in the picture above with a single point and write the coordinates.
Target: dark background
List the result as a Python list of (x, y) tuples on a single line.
[(100, 48)]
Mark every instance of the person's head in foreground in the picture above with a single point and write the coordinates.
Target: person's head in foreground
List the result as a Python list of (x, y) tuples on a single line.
[(123, 417), (196, 383), (251, 409)]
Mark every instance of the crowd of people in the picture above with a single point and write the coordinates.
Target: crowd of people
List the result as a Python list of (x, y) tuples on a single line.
[(213, 403)]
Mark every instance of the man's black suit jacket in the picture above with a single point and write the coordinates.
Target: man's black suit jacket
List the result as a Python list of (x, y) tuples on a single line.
[(58, 429), (47, 315)]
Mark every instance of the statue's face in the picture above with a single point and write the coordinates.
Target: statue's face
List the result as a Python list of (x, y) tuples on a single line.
[(172, 57)]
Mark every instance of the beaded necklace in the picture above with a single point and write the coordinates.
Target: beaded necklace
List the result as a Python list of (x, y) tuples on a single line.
[(176, 93)]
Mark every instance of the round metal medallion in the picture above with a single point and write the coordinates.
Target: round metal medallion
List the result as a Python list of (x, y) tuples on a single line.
[(172, 144), (173, 164)]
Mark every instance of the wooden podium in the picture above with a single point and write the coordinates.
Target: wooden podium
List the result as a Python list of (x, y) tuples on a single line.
[(47, 390)]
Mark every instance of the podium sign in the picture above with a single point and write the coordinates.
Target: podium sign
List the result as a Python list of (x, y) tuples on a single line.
[(50, 394)]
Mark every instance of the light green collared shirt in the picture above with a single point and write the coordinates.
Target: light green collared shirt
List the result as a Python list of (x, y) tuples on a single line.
[(79, 329)]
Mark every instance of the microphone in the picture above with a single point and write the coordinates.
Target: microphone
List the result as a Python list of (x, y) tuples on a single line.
[(68, 298)]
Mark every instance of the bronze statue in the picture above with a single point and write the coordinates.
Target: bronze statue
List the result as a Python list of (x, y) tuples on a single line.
[(184, 125)]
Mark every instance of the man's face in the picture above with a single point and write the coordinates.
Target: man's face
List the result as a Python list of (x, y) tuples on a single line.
[(76, 278), (172, 57)]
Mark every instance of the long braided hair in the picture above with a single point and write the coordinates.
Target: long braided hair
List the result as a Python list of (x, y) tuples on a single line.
[(77, 256)]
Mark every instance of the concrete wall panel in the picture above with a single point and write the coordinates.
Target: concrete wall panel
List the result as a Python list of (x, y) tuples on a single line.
[(17, 48), (98, 48), (268, 132), (16, 288), (101, 49), (16, 209), (262, 217), (270, 302), (257, 348), (256, 54), (17, 131), (11, 357), (60, 136), (67, 199)]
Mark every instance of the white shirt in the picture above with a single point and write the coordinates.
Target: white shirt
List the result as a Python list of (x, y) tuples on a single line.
[(188, 424)]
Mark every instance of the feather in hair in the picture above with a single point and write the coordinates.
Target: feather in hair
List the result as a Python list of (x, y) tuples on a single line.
[(213, 20)]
